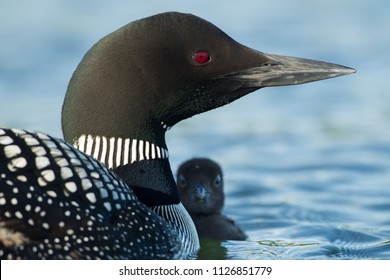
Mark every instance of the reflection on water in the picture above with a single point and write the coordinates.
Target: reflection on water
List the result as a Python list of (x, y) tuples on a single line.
[(307, 168)]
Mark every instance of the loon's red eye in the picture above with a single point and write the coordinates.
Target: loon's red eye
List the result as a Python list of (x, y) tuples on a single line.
[(201, 57)]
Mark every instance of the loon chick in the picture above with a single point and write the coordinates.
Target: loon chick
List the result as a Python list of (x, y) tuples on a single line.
[(200, 182), (129, 88)]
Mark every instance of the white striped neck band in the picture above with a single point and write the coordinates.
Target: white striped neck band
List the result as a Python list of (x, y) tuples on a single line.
[(117, 151)]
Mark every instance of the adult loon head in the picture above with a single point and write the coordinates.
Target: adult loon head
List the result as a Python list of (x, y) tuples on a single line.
[(127, 91), (152, 73)]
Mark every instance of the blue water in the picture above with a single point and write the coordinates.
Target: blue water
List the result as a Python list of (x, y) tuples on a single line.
[(307, 169)]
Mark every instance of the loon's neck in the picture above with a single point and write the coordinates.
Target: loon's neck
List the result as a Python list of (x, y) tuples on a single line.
[(143, 165)]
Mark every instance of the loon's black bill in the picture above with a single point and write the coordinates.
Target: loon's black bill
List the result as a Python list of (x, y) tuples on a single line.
[(284, 70)]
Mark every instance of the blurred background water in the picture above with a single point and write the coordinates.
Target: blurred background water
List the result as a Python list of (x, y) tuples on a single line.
[(307, 169)]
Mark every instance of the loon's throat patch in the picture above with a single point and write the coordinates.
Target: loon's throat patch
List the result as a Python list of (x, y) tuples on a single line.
[(117, 151)]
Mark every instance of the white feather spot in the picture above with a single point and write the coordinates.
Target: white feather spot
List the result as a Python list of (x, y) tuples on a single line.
[(22, 178), (115, 195), (43, 136), (48, 175), (5, 140), (111, 186), (86, 184), (42, 162), (66, 173), (51, 193), (31, 141), (18, 131), (55, 152), (61, 162), (11, 167), (98, 184), (71, 187), (39, 150), (42, 182), (81, 172), (11, 151), (50, 144), (18, 215), (2, 201), (91, 197), (75, 161), (74, 203), (19, 162), (108, 206), (103, 193)]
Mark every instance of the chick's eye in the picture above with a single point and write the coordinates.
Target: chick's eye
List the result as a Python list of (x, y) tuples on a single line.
[(218, 180), (182, 181), (201, 57)]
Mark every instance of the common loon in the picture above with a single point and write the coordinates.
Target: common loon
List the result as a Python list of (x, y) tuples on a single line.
[(128, 90), (200, 183)]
